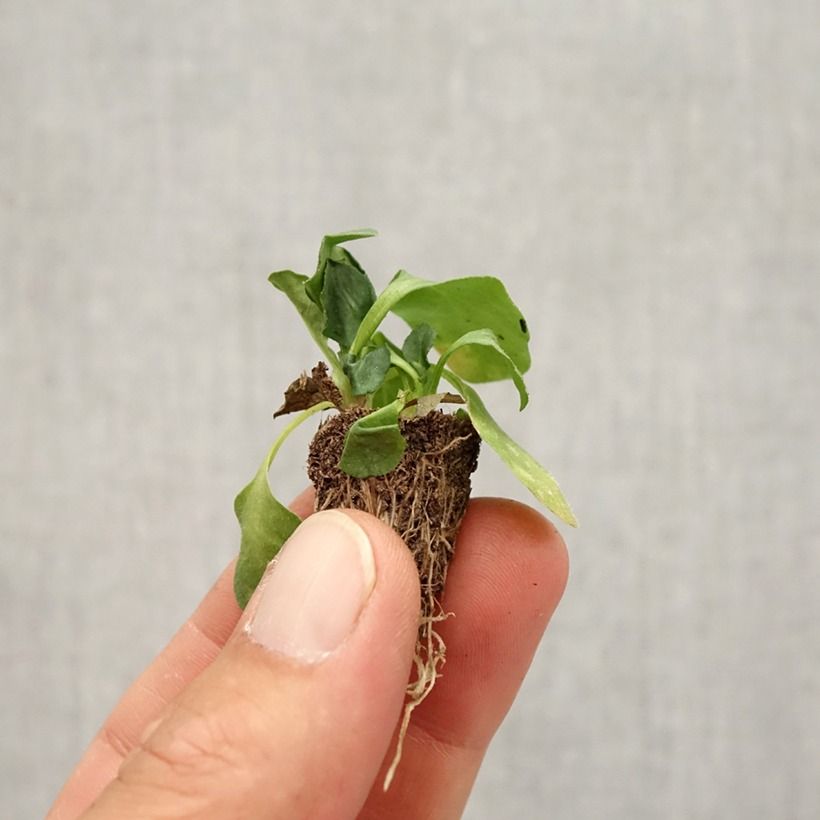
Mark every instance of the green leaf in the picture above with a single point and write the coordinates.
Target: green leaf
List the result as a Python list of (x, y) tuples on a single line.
[(400, 286), (417, 345), (367, 374), (531, 474), (329, 249), (470, 346), (265, 522), (389, 390), (400, 376), (293, 286), (456, 307), (347, 296), (374, 444)]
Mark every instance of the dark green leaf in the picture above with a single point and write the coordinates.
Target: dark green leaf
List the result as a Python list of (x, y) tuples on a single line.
[(531, 474), (347, 296), (471, 346), (417, 345), (456, 307), (374, 444), (266, 523), (329, 249), (367, 374)]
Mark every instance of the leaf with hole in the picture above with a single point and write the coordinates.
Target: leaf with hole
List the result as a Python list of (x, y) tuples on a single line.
[(459, 306)]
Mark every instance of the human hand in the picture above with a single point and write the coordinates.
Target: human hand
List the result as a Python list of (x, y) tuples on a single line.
[(290, 709)]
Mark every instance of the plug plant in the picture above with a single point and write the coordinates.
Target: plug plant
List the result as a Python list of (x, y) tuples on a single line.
[(390, 449)]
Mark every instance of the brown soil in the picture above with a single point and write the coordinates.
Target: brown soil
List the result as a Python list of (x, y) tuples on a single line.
[(424, 499)]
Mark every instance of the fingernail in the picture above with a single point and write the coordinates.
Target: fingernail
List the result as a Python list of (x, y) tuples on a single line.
[(315, 589)]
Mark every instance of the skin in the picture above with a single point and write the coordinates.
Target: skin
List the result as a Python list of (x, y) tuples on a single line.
[(219, 727)]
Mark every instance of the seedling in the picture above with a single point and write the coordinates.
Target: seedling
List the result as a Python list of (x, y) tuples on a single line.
[(390, 449)]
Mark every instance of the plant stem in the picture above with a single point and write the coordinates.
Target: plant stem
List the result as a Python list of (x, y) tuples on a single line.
[(401, 284), (399, 362), (291, 426)]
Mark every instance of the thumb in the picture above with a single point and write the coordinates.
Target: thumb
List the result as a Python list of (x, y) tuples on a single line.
[(295, 715)]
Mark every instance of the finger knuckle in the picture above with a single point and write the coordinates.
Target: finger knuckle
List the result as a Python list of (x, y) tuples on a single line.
[(196, 748)]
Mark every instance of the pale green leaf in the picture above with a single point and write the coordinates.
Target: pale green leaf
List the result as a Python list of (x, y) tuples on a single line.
[(293, 286), (470, 347), (458, 306), (531, 474), (426, 404)]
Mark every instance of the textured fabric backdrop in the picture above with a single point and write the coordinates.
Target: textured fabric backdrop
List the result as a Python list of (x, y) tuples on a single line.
[(646, 177)]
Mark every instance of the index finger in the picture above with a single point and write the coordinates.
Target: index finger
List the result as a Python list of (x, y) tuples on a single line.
[(507, 576)]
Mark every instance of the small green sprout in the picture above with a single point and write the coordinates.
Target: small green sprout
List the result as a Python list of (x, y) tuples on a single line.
[(478, 334)]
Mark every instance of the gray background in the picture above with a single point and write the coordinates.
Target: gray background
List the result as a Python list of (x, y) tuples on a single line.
[(646, 177)]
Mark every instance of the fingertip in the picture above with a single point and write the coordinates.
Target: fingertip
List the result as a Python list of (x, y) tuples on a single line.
[(503, 526), (506, 512)]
